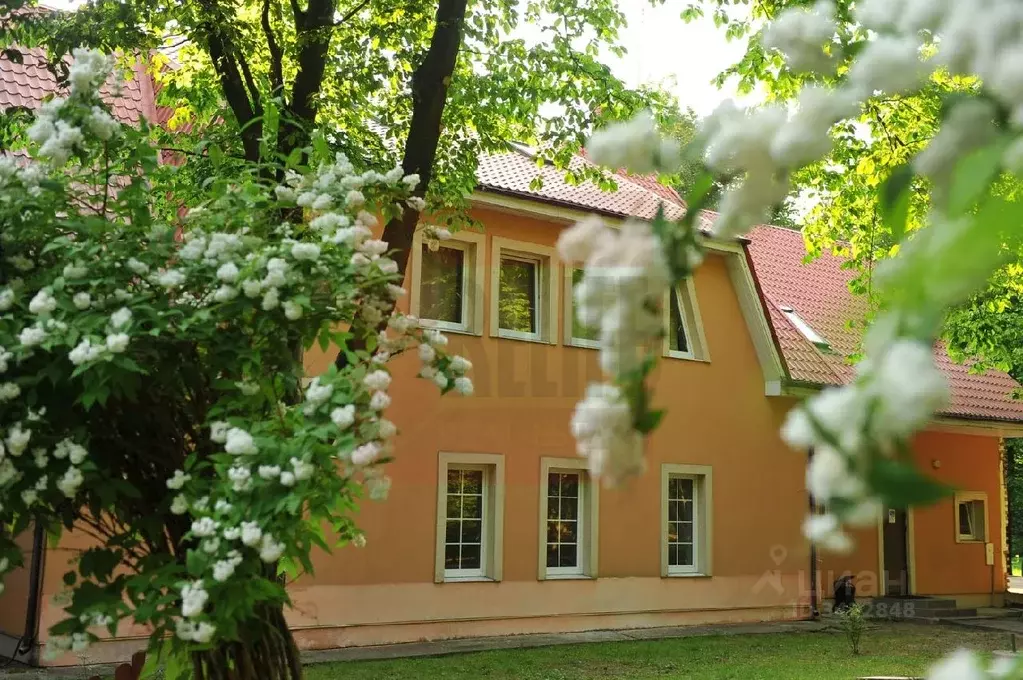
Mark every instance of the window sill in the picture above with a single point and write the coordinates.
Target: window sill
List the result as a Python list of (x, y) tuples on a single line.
[(520, 338), (970, 540), (694, 574), (583, 344), (685, 357), (429, 323), (469, 579), (568, 577)]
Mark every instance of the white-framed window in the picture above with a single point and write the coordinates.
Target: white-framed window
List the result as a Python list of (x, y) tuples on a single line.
[(569, 516), (971, 517), (447, 285), (470, 517), (683, 327), (576, 333), (686, 528), (523, 291)]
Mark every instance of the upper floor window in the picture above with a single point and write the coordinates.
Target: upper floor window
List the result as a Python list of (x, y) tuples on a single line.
[(576, 333), (523, 294), (684, 328), (447, 288)]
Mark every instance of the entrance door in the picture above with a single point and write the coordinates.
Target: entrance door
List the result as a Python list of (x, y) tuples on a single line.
[(896, 556)]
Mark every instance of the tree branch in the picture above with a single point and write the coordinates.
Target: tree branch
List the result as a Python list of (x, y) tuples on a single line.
[(250, 82), (314, 29), (352, 12), (429, 95), (221, 53), (276, 56)]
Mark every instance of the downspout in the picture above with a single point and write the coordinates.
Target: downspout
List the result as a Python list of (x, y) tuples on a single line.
[(31, 634), (814, 609)]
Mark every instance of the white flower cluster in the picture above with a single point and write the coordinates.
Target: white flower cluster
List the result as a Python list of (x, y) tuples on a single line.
[(965, 665), (35, 478), (976, 39), (625, 280), (801, 35), (28, 175), (763, 147), (337, 185), (604, 433), (58, 645), (434, 236), (59, 138), (89, 71), (636, 146), (894, 394)]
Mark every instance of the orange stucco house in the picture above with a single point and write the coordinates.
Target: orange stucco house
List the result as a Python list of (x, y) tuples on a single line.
[(493, 525)]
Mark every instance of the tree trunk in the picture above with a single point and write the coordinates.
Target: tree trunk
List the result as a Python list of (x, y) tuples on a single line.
[(266, 652)]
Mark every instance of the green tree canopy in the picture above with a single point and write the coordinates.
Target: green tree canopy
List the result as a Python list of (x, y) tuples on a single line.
[(433, 83)]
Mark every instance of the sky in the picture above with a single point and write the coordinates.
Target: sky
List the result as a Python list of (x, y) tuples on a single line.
[(682, 57)]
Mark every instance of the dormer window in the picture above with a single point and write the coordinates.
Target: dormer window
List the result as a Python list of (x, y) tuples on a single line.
[(804, 328)]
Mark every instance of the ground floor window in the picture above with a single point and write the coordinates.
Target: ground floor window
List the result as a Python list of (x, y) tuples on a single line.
[(470, 500), (686, 507), (971, 517), (568, 519)]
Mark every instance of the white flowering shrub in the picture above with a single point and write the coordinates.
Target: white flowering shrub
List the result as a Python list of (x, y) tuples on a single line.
[(152, 386), (859, 433)]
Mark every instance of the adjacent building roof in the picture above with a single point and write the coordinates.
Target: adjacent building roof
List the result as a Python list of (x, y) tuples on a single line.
[(814, 294), (25, 85), (818, 292)]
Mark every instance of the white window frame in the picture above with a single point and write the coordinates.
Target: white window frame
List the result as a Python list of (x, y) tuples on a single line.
[(547, 289), (971, 497), (692, 324), (569, 321), (492, 538), (473, 276), (703, 504), (589, 519)]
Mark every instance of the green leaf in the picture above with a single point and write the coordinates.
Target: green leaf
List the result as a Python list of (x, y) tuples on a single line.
[(894, 199), (901, 484), (974, 175), (196, 562), (649, 421)]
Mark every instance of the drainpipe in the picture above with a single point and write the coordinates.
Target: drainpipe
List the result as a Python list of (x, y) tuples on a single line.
[(814, 609), (29, 637)]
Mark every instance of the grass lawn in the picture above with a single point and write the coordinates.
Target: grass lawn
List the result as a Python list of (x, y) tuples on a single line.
[(888, 649)]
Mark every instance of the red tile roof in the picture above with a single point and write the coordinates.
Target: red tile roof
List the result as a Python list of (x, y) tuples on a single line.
[(514, 171), (25, 85), (818, 292)]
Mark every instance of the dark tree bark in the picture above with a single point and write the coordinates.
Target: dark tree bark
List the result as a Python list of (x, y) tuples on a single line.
[(315, 27), (429, 95)]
